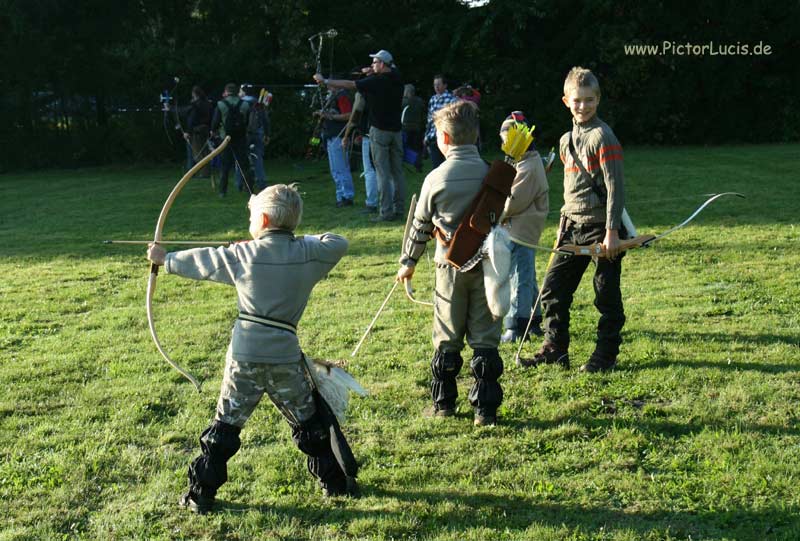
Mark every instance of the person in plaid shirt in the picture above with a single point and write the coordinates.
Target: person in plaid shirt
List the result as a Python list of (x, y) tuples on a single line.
[(442, 97)]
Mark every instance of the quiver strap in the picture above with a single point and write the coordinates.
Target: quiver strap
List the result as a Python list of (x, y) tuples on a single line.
[(483, 213)]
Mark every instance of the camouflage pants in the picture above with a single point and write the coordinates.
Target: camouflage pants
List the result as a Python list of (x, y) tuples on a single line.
[(244, 383)]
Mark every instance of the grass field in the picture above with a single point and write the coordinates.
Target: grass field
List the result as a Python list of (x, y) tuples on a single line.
[(694, 436)]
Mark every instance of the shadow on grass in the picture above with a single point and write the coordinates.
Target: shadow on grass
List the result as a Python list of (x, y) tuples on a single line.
[(430, 512), (608, 421), (768, 368), (763, 339)]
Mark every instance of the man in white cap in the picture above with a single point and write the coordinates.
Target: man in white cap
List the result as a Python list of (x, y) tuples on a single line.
[(384, 93)]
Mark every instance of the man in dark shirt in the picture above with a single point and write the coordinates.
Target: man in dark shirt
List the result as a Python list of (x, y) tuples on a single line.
[(384, 94), (198, 120)]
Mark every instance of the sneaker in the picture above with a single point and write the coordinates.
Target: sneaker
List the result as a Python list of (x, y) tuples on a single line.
[(369, 210), (197, 504), (549, 353), (599, 363), (485, 420), (347, 202), (382, 218), (509, 336)]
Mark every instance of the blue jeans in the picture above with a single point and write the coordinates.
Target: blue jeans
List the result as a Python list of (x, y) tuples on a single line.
[(340, 169), (524, 288), (370, 177)]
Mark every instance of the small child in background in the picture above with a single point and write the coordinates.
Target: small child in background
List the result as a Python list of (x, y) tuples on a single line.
[(524, 217)]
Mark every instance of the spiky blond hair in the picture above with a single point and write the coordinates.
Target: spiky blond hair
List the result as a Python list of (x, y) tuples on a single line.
[(578, 77)]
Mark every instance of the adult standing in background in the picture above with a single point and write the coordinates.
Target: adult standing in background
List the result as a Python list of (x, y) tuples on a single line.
[(334, 119), (198, 119), (230, 118), (359, 124), (441, 98), (258, 132), (413, 119), (384, 93)]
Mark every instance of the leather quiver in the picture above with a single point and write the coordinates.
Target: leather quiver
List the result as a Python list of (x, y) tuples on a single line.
[(482, 214)]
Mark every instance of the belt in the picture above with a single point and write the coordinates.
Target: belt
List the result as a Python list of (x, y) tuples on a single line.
[(267, 322)]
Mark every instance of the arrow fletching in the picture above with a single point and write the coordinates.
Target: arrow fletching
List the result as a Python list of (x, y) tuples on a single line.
[(518, 138)]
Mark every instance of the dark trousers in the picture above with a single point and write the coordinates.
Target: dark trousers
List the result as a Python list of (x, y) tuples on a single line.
[(437, 158), (414, 142), (562, 280), (235, 152)]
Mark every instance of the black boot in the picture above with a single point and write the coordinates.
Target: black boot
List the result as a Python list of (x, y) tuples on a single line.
[(197, 503), (599, 362), (549, 353), (486, 394)]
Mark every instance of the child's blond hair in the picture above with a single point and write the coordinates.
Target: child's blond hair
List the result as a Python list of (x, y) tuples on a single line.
[(282, 203), (460, 120), (578, 77)]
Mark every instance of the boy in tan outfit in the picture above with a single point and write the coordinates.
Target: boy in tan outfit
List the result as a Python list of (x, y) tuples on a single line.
[(460, 306)]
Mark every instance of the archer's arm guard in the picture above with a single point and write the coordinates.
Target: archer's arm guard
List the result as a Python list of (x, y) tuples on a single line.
[(418, 236)]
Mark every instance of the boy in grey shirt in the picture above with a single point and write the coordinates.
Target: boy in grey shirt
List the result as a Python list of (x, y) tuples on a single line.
[(594, 198), (273, 275)]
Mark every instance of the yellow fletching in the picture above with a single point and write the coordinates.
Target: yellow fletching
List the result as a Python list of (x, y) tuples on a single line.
[(518, 139)]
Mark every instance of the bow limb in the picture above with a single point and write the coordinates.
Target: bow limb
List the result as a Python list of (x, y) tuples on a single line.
[(177, 114), (695, 213), (406, 232), (598, 250), (410, 293), (151, 282)]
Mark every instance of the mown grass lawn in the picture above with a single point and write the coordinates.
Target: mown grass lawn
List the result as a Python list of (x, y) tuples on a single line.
[(694, 436)]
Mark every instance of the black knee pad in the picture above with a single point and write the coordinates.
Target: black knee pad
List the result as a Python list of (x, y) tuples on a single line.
[(209, 471), (312, 437), (487, 364), (220, 441), (486, 394), (444, 368), (446, 365)]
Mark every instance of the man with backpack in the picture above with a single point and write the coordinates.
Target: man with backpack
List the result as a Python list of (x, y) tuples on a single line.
[(258, 133), (230, 118)]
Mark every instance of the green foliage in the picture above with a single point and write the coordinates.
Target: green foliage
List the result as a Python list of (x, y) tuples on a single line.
[(69, 67), (695, 436)]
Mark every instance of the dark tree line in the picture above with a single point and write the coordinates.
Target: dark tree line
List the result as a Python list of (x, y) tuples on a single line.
[(75, 71)]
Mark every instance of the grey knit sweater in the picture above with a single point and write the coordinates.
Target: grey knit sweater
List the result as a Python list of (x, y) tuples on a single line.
[(600, 154)]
